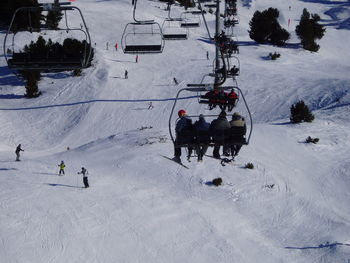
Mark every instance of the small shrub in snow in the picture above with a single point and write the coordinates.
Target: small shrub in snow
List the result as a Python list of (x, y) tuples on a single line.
[(312, 140), (300, 112), (77, 72), (249, 166), (274, 56), (217, 181)]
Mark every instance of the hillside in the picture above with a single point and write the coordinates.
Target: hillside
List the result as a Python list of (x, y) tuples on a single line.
[(142, 207)]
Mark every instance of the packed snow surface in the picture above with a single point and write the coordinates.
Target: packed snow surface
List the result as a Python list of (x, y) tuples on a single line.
[(141, 207)]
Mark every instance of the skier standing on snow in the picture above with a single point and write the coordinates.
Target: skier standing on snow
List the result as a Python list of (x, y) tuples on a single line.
[(18, 149), (126, 74), (62, 166), (84, 172)]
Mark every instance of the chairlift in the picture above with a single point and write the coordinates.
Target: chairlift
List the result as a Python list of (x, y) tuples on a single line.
[(210, 5), (171, 29), (189, 20), (20, 60), (232, 66), (142, 36), (229, 137)]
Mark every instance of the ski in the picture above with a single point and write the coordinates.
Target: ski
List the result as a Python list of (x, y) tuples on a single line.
[(223, 161), (175, 161)]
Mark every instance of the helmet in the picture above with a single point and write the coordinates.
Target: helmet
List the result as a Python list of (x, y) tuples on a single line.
[(181, 113)]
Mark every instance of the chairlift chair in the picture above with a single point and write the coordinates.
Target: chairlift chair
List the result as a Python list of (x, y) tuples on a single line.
[(171, 29), (142, 36), (233, 66), (45, 62), (227, 137), (210, 5), (189, 20)]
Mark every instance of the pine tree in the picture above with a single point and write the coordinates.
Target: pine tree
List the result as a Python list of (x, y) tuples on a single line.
[(22, 22), (264, 28), (31, 78), (300, 112), (309, 30), (53, 18)]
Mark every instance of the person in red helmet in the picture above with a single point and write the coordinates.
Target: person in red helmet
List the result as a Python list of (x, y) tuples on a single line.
[(184, 135)]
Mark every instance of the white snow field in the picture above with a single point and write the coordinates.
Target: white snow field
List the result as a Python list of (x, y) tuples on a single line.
[(141, 207)]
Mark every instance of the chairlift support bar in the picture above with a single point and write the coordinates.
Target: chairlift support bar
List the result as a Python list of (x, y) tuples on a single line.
[(140, 21)]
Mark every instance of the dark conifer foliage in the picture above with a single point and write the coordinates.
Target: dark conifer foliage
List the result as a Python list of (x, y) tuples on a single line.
[(71, 49), (53, 18), (264, 28), (300, 112), (24, 19), (31, 78), (309, 30)]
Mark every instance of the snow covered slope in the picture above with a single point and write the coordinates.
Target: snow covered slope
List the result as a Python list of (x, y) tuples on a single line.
[(142, 207)]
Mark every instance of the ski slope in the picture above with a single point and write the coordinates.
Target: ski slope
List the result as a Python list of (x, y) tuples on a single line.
[(142, 207)]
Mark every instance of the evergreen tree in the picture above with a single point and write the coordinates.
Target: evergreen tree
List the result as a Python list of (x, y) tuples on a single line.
[(309, 30), (22, 21), (53, 18), (264, 28), (31, 78), (300, 112)]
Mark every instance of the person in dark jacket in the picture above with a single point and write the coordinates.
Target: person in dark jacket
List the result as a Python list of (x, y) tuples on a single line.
[(201, 128), (18, 150), (183, 131), (84, 172), (217, 127), (239, 123)]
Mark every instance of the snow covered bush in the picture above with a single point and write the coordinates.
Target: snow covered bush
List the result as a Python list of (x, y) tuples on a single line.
[(249, 166), (312, 140), (217, 181), (274, 56), (300, 112)]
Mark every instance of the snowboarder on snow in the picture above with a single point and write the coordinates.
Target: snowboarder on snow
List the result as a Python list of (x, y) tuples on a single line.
[(18, 149), (176, 82), (61, 166), (84, 172), (126, 74)]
